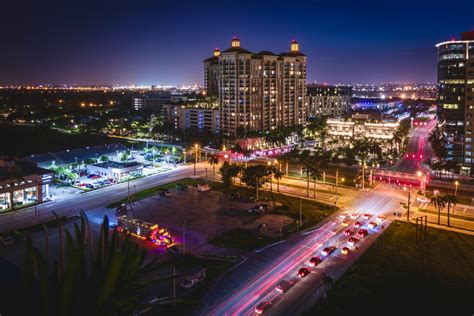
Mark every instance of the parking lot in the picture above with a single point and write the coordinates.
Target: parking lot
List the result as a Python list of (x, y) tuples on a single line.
[(202, 215)]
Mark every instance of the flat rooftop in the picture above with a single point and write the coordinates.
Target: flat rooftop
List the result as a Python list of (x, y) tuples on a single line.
[(117, 165)]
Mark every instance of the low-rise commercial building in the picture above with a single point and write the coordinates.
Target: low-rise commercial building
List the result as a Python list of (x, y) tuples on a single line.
[(359, 127), (77, 156), (22, 183), (116, 171)]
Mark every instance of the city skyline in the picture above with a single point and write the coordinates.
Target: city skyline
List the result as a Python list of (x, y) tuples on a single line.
[(149, 44)]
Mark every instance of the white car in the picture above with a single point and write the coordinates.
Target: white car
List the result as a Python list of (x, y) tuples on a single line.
[(423, 199), (355, 215), (343, 215), (372, 225), (380, 218)]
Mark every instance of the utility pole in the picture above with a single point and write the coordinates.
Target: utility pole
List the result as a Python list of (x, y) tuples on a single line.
[(257, 189), (174, 285), (363, 175), (36, 214), (337, 176), (408, 206), (301, 215), (184, 237)]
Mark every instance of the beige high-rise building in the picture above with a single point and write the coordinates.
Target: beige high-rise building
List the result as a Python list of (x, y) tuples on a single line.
[(261, 91)]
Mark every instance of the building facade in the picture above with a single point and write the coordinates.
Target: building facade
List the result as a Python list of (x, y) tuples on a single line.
[(262, 91), (329, 101), (116, 171), (183, 117), (22, 183), (456, 98), (359, 128), (211, 74)]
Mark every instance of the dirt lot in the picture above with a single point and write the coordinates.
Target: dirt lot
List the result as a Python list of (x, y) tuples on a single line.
[(205, 214), (273, 224)]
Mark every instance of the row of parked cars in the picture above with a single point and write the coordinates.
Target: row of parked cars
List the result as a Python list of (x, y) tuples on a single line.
[(354, 237), (96, 184)]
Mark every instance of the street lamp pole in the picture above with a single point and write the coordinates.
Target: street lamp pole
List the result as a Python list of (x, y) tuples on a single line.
[(337, 176), (184, 237), (408, 206), (456, 183), (195, 158)]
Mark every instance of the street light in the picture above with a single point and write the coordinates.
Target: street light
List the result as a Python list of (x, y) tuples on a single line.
[(269, 163), (456, 183), (342, 180), (196, 146)]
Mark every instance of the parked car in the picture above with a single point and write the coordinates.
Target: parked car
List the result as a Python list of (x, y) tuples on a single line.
[(346, 222), (122, 208), (259, 209), (328, 250), (7, 240), (164, 192), (372, 225), (283, 286), (348, 232), (262, 307), (203, 187), (345, 251), (315, 261), (303, 272), (367, 216), (358, 224), (234, 195), (193, 278), (362, 233), (352, 241)]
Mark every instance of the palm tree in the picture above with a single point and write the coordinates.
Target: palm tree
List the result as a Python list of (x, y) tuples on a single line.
[(277, 174), (213, 161), (439, 203), (451, 200), (83, 281)]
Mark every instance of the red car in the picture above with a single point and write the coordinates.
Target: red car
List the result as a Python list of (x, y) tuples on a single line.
[(303, 272), (315, 261), (352, 241), (328, 250), (362, 233), (348, 232), (358, 224)]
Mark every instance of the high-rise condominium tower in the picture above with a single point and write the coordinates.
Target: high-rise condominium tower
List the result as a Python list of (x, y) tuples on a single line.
[(456, 98), (262, 91)]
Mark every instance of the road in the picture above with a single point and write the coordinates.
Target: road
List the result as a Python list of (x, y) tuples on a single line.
[(252, 284), (93, 199), (418, 149), (254, 281)]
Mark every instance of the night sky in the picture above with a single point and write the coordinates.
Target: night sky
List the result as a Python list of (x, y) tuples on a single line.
[(164, 42)]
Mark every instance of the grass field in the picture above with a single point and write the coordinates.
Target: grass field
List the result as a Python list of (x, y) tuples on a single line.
[(399, 275), (241, 239)]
